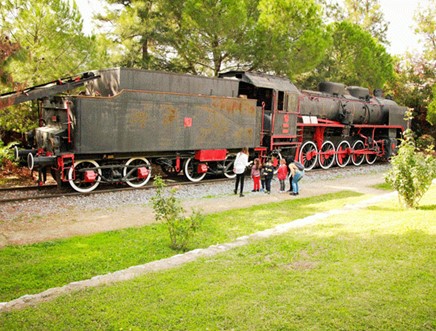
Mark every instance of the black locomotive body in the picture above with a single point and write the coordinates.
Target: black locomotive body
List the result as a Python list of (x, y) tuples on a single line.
[(128, 120)]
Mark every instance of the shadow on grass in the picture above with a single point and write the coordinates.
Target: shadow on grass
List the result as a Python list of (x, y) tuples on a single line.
[(399, 209), (386, 209), (427, 207)]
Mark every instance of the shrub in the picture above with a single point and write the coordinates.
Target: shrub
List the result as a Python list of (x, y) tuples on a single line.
[(425, 143), (6, 153), (412, 171), (167, 208)]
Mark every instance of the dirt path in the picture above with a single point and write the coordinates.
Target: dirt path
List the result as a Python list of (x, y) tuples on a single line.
[(75, 222)]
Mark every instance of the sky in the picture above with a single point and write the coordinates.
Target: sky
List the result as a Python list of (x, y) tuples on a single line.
[(399, 14)]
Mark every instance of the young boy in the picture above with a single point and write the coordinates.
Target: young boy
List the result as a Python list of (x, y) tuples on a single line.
[(269, 173)]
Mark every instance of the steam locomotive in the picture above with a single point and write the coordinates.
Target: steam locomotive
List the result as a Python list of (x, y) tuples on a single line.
[(124, 121)]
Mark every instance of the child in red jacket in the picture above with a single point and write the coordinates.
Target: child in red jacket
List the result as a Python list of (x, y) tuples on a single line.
[(282, 174)]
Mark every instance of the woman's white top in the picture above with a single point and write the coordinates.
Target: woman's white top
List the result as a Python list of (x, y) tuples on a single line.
[(241, 163)]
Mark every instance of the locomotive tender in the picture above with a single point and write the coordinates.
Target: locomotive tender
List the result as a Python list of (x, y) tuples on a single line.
[(129, 119)]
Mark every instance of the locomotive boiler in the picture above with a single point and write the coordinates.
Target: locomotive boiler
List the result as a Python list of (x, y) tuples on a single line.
[(125, 123)]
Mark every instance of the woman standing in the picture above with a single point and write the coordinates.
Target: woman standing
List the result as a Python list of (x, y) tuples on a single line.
[(297, 172), (239, 166)]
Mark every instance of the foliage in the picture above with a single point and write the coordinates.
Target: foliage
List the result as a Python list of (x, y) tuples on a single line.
[(52, 45), (431, 113), (354, 58), (426, 28), (168, 209), (413, 84), (425, 19), (425, 143), (7, 50), (6, 152), (291, 37), (367, 14), (209, 36), (371, 269), (412, 171)]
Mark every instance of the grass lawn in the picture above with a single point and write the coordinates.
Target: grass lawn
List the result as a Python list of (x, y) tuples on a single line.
[(34, 268), (371, 269)]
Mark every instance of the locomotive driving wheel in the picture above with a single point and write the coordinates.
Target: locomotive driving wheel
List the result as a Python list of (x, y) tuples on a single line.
[(228, 166), (137, 172), (358, 156), (77, 176), (308, 155), (371, 158), (343, 155), (326, 156), (191, 170)]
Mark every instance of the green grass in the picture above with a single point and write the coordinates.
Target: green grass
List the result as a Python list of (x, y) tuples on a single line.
[(35, 268), (384, 186), (370, 269)]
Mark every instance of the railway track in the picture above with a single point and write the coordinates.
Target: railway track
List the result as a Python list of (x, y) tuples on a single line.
[(17, 194)]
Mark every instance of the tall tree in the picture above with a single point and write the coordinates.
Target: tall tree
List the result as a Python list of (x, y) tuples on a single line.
[(290, 37), (426, 28), (135, 32), (208, 36), (425, 20), (365, 13), (195, 36), (49, 33), (414, 84), (354, 58), (214, 34), (7, 50)]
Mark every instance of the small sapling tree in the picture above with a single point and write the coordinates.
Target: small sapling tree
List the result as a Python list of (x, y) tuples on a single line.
[(167, 209), (413, 170)]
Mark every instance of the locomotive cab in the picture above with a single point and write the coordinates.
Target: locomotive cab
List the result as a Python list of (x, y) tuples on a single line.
[(277, 101)]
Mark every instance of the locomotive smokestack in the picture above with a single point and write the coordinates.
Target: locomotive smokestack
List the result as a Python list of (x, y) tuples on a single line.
[(378, 93)]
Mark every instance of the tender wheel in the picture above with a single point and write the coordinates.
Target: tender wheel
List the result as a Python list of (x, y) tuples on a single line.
[(326, 156), (228, 166), (343, 155), (370, 158), (308, 155), (190, 169), (76, 176), (132, 172), (357, 158)]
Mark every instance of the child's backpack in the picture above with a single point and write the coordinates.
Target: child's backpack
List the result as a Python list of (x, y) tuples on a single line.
[(299, 165)]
